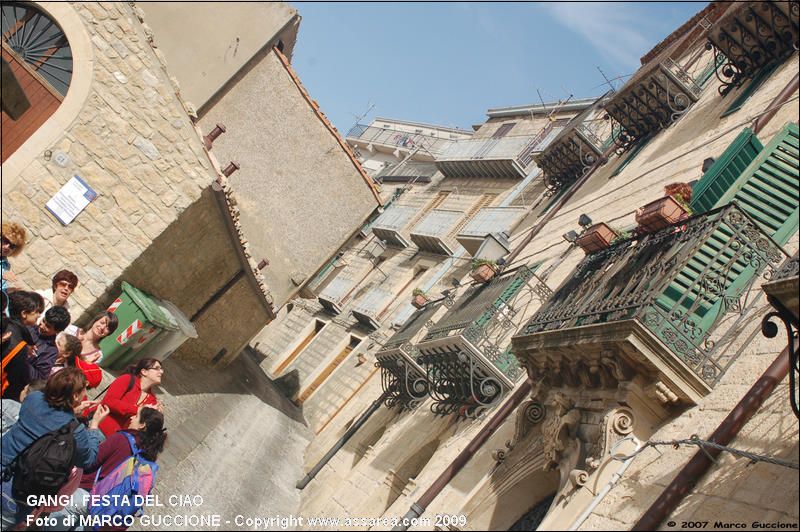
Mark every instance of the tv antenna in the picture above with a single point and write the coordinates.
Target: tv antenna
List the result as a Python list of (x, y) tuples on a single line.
[(606, 78)]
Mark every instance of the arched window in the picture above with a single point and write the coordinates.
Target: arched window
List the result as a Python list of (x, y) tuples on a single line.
[(37, 70)]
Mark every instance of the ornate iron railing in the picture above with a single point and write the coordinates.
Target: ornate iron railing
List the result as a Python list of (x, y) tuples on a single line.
[(656, 96), (678, 283), (752, 35), (579, 146), (402, 378), (466, 354)]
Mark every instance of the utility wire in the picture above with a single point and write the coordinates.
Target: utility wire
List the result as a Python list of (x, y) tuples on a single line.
[(703, 444)]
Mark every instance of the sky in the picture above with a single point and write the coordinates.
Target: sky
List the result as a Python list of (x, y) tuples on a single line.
[(447, 63)]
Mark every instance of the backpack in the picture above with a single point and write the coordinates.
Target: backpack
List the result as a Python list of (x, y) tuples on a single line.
[(45, 465), (134, 476)]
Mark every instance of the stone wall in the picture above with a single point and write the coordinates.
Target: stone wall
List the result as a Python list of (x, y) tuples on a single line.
[(130, 140), (356, 482)]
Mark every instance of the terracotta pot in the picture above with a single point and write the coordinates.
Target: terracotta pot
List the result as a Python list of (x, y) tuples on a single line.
[(597, 237), (419, 301), (484, 273), (660, 214)]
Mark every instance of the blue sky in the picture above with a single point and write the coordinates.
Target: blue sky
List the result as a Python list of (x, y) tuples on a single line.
[(448, 63)]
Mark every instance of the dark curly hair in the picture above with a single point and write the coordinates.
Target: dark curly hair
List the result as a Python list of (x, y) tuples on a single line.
[(152, 435)]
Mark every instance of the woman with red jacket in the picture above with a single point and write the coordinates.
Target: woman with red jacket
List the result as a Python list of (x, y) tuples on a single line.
[(129, 392)]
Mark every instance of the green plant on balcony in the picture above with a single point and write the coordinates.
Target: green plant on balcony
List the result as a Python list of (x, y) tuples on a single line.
[(622, 234), (483, 270), (419, 298)]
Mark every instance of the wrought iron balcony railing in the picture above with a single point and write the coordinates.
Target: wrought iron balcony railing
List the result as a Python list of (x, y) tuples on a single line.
[(669, 290), (579, 145), (465, 354), (402, 378), (657, 95), (506, 157), (752, 35)]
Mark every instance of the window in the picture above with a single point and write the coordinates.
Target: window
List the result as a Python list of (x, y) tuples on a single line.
[(37, 56), (503, 130), (751, 88), (348, 348), (315, 329)]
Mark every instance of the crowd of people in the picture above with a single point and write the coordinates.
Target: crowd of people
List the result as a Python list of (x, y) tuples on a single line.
[(48, 367)]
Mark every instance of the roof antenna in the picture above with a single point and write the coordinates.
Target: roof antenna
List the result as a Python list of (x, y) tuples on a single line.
[(606, 78)]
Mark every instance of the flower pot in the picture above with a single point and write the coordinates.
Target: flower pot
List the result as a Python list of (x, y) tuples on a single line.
[(597, 237), (419, 301), (484, 273), (659, 214)]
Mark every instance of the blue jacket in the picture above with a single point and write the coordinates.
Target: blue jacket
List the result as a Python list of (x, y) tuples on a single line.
[(37, 418), (46, 354)]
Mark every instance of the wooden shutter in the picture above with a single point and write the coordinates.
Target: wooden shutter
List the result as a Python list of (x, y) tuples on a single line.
[(725, 171), (768, 188)]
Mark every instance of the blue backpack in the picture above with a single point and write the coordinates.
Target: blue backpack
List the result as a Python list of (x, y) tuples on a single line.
[(134, 476)]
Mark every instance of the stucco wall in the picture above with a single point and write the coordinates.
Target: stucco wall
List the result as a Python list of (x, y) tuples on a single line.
[(299, 193), (204, 53)]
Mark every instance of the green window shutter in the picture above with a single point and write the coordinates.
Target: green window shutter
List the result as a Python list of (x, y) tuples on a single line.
[(751, 88), (725, 171), (768, 189), (508, 293), (632, 155), (707, 72)]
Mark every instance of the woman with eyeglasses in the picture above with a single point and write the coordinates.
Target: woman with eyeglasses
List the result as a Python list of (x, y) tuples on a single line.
[(13, 240), (129, 392)]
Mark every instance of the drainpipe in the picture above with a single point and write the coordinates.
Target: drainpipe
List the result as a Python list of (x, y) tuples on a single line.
[(419, 507), (376, 404), (776, 104), (703, 459)]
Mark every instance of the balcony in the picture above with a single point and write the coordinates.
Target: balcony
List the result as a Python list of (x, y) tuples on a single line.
[(401, 376), (432, 232), (367, 310), (650, 311), (576, 148), (752, 35), (784, 287), (657, 95), (392, 140), (489, 220), (389, 225), (506, 157), (465, 354), (334, 294)]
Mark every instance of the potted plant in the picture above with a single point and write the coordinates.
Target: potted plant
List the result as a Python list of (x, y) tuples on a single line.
[(622, 234), (483, 270), (670, 209), (597, 237), (419, 298)]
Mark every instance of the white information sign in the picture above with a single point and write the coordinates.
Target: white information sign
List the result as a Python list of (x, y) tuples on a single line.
[(68, 202)]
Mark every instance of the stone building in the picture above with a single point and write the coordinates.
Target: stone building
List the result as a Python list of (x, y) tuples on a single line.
[(523, 402), (102, 108)]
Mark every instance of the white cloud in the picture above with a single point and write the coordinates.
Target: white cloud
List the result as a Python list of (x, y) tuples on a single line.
[(616, 30)]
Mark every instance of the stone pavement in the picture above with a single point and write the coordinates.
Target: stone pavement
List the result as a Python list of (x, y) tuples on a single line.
[(239, 444)]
